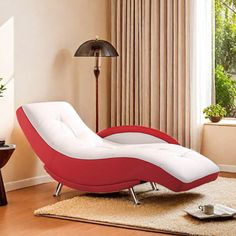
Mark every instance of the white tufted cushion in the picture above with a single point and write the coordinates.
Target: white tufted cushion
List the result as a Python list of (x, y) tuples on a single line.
[(63, 130)]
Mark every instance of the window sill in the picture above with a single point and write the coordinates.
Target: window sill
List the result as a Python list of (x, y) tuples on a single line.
[(224, 122)]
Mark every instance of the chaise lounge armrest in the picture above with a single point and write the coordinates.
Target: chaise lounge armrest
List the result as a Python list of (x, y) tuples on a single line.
[(135, 135)]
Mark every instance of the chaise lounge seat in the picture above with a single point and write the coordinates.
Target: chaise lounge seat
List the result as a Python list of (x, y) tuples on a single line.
[(115, 159)]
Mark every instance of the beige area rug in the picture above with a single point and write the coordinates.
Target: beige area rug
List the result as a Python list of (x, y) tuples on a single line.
[(160, 211)]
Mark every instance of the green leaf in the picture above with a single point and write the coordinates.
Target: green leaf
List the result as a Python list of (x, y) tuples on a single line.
[(214, 110), (2, 88)]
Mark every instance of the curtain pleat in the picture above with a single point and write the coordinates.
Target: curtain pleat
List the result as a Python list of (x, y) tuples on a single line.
[(150, 78), (169, 69)]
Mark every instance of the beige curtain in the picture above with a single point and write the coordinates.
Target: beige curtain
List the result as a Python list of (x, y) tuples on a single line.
[(150, 78)]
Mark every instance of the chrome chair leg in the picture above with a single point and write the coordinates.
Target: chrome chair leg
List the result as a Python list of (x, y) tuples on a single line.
[(154, 187), (135, 199), (58, 190)]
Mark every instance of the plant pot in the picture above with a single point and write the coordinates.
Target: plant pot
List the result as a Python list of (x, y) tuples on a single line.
[(215, 119)]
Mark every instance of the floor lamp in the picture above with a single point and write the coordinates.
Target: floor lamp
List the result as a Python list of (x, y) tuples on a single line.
[(96, 48)]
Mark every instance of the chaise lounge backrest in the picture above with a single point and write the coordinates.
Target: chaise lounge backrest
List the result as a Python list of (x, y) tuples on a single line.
[(59, 126)]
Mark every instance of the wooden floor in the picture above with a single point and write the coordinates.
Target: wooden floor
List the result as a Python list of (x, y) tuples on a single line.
[(17, 217)]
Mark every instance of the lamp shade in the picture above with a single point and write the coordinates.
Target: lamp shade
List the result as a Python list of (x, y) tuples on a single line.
[(91, 48)]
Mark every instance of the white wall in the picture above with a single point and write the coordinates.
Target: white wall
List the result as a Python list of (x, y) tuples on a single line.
[(46, 34), (218, 144)]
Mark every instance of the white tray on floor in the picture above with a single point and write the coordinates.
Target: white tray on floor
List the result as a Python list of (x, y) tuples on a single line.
[(220, 211)]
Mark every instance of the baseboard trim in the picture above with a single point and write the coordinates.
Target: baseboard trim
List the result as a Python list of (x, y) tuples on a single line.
[(46, 179), (228, 168), (27, 182)]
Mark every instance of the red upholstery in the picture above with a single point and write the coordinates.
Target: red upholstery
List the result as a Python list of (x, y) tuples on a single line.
[(137, 129)]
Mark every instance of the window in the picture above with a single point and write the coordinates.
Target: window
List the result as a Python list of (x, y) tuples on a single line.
[(225, 55)]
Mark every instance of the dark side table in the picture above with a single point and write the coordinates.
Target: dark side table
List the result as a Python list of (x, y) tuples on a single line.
[(5, 154)]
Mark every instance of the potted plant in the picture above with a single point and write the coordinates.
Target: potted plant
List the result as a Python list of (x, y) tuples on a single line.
[(214, 112), (2, 88)]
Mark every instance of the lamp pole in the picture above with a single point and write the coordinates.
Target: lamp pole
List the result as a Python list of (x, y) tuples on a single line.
[(97, 73)]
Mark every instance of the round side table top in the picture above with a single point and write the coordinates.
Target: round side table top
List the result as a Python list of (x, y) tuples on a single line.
[(5, 153), (7, 147)]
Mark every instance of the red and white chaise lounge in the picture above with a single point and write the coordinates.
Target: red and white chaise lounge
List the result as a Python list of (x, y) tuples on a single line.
[(115, 159)]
